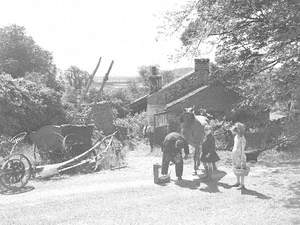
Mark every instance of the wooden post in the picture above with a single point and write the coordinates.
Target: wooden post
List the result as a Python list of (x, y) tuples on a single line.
[(90, 81), (105, 78)]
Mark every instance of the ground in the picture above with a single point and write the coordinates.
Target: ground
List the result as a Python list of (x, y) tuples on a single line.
[(129, 196)]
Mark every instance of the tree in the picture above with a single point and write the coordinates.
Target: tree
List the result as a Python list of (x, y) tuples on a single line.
[(77, 80), (76, 77), (145, 72), (167, 76), (19, 54), (253, 37), (26, 107), (257, 44)]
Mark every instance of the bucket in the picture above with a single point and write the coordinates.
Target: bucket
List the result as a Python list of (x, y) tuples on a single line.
[(156, 172), (156, 175)]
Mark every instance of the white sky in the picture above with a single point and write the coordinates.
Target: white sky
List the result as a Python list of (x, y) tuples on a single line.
[(77, 32)]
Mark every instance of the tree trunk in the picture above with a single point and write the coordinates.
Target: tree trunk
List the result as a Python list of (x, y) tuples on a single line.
[(294, 120)]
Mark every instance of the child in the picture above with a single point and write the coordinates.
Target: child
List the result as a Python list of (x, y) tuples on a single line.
[(238, 153), (209, 155)]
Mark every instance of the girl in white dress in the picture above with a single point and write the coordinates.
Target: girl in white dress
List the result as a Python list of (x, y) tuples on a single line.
[(238, 153)]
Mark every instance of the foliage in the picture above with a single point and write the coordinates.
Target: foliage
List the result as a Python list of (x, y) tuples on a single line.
[(135, 91), (26, 107), (146, 71), (167, 77), (76, 77), (134, 125), (253, 38), (45, 80), (19, 54), (5, 146)]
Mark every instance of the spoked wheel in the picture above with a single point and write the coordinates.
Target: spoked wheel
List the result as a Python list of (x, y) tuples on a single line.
[(15, 172)]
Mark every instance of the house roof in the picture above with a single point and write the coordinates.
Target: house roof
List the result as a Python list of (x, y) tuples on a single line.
[(185, 97), (139, 104), (178, 79)]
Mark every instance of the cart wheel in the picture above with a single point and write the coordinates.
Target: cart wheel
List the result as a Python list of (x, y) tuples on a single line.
[(68, 142), (15, 172), (72, 140)]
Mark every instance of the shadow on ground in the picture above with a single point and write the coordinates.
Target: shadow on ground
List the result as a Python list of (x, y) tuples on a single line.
[(211, 184), (17, 190), (254, 193), (294, 202)]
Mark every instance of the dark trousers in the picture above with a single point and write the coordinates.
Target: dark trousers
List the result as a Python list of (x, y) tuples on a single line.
[(167, 158)]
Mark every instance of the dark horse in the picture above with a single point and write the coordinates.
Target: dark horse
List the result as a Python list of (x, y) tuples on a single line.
[(192, 128)]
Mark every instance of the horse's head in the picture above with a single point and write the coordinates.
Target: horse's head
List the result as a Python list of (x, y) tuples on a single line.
[(187, 116)]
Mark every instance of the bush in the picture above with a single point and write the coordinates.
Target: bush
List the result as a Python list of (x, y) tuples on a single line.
[(26, 107), (134, 125)]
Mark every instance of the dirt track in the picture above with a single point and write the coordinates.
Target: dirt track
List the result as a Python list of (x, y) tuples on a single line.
[(128, 196)]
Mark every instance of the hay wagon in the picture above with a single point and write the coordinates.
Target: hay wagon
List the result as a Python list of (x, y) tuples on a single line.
[(79, 151), (69, 146)]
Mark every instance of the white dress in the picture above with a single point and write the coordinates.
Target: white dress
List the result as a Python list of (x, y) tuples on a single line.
[(238, 151)]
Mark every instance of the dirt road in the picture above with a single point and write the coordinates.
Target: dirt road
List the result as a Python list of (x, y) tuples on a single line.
[(129, 196)]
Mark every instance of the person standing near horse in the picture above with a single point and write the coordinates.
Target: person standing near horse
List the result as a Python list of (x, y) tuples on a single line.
[(172, 152), (209, 154), (148, 132), (193, 131)]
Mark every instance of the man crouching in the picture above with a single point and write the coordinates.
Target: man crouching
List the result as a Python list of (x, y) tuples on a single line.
[(172, 146)]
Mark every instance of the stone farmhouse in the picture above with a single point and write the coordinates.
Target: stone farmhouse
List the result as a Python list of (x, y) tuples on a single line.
[(165, 104)]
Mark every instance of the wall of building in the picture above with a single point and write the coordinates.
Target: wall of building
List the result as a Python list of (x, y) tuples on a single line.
[(215, 98), (178, 88), (184, 85)]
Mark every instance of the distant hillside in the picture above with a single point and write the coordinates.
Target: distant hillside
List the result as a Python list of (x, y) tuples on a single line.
[(182, 71), (123, 81)]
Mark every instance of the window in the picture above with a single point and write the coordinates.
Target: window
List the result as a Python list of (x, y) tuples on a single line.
[(160, 119)]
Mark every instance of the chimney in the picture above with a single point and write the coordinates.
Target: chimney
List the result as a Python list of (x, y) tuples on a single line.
[(202, 68), (155, 80)]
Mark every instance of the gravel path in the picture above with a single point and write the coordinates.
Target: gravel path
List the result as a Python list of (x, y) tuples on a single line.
[(129, 196)]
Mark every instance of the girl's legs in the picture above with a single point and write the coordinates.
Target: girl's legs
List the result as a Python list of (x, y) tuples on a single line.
[(242, 182), (238, 181)]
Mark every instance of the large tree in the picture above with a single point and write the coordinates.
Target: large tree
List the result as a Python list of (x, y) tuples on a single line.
[(24, 106), (19, 54), (253, 37), (257, 41)]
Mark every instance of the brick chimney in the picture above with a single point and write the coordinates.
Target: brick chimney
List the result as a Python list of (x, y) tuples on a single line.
[(202, 68), (155, 80)]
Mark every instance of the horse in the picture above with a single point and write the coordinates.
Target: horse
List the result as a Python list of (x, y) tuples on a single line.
[(192, 129)]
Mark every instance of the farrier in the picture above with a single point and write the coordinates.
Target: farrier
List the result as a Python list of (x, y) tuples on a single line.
[(172, 152)]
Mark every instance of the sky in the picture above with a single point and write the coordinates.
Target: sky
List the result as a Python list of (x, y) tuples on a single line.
[(78, 32)]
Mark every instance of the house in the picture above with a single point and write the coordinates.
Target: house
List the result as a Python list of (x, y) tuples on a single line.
[(193, 89), (165, 104)]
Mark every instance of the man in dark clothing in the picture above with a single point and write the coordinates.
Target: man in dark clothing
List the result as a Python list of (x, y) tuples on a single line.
[(172, 146)]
